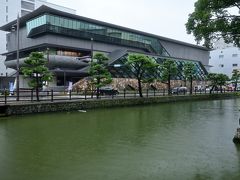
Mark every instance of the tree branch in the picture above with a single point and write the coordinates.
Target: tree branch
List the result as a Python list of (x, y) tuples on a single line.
[(238, 5), (223, 17)]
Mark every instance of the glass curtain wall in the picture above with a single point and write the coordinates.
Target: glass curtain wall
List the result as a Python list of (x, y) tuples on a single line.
[(149, 42), (39, 21), (124, 71)]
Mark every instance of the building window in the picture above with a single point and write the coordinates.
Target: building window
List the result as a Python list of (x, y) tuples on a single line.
[(36, 22), (23, 12), (221, 56), (27, 5), (68, 53), (6, 9), (234, 55), (221, 65), (6, 18), (234, 65), (66, 25)]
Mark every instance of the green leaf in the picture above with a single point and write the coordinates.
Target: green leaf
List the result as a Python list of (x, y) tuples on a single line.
[(35, 69), (100, 76), (214, 19)]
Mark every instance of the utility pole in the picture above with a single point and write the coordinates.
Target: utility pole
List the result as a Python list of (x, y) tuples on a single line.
[(18, 69)]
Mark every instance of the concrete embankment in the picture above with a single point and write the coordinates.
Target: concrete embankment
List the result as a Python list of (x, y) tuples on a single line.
[(71, 105)]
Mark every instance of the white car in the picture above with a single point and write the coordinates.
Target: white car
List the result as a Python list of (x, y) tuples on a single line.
[(180, 90)]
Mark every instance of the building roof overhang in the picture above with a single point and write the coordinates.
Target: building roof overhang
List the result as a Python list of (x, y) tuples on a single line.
[(45, 9)]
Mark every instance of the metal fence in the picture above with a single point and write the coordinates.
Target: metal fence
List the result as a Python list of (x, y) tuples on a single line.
[(30, 95)]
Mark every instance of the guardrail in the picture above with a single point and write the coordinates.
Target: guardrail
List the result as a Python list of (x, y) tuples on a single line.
[(30, 95)]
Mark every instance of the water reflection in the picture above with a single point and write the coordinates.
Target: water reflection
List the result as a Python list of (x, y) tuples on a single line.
[(191, 140)]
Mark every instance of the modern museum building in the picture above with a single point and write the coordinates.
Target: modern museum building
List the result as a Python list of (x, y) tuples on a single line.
[(69, 42)]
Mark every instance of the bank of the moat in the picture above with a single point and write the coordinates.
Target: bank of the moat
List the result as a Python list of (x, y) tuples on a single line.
[(184, 140), (71, 105)]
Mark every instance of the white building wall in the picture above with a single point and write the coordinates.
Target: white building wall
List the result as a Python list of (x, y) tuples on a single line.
[(39, 3), (225, 60), (2, 37), (8, 12), (220, 44)]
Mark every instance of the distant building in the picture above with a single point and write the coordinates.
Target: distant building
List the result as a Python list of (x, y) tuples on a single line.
[(224, 59), (68, 42), (8, 12)]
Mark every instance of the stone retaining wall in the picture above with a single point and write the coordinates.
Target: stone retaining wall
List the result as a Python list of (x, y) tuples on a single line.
[(123, 83), (71, 105)]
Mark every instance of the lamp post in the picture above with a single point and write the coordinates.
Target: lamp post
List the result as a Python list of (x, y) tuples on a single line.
[(17, 85)]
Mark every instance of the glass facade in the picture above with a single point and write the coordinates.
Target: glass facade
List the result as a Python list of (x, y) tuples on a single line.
[(52, 51), (68, 53), (39, 21), (62, 25), (124, 71)]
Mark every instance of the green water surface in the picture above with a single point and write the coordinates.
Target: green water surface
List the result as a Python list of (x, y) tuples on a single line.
[(185, 140)]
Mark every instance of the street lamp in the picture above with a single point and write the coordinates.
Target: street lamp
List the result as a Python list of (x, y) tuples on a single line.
[(17, 82)]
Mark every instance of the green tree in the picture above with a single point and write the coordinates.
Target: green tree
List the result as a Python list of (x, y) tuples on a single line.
[(235, 78), (141, 67), (169, 71), (35, 69), (214, 19), (189, 72), (217, 80), (100, 76)]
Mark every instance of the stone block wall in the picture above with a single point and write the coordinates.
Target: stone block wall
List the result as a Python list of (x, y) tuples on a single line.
[(72, 105), (126, 83)]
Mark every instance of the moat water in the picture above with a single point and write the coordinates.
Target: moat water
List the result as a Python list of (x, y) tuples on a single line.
[(185, 140)]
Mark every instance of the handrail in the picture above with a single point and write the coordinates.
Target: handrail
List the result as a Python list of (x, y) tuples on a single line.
[(7, 97)]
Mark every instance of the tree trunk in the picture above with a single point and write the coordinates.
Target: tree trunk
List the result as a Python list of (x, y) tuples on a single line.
[(185, 82), (212, 89), (191, 82), (37, 84), (98, 82), (169, 85), (235, 86), (97, 92), (140, 87)]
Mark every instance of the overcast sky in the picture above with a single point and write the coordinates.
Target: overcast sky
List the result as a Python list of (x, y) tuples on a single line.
[(161, 17)]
